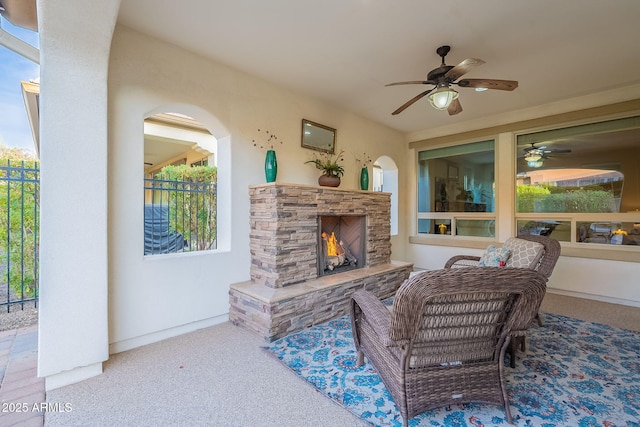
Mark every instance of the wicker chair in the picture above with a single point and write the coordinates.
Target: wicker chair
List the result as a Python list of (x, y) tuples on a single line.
[(544, 266), (444, 340)]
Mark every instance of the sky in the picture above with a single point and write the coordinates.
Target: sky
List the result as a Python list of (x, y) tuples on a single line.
[(14, 123)]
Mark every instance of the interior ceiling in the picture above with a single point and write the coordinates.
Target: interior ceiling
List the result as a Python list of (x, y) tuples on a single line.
[(345, 51)]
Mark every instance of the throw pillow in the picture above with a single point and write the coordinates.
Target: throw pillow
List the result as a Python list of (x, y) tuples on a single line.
[(524, 253), (494, 257)]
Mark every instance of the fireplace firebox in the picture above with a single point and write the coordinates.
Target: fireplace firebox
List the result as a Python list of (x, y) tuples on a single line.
[(341, 243)]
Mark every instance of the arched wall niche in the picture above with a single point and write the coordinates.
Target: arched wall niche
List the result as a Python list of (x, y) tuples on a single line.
[(389, 184), (219, 152)]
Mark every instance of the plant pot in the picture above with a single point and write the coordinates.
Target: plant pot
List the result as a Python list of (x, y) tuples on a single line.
[(270, 166), (329, 181)]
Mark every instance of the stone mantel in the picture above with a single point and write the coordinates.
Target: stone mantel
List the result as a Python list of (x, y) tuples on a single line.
[(314, 187)]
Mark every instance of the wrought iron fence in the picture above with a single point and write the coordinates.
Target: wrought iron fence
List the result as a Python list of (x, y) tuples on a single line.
[(179, 216), (19, 233)]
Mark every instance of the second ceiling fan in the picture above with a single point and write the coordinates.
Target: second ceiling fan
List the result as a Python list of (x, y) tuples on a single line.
[(442, 96)]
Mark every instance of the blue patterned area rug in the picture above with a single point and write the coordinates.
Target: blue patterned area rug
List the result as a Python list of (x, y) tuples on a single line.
[(574, 373)]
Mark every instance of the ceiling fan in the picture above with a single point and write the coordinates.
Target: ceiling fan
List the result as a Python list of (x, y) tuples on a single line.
[(534, 156), (442, 96), (542, 151)]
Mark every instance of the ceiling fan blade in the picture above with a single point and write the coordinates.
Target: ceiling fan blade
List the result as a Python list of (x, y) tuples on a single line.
[(412, 82), (489, 84), (411, 101), (455, 107), (558, 151), (463, 68)]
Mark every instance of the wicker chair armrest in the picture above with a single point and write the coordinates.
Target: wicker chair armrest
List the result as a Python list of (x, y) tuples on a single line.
[(378, 316), (467, 260)]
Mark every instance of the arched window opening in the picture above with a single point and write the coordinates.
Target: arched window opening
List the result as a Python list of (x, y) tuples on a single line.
[(180, 185)]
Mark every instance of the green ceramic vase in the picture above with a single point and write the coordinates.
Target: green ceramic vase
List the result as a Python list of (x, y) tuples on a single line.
[(270, 166), (364, 179)]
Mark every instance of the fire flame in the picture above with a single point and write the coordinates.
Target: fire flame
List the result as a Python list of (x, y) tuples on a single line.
[(333, 247)]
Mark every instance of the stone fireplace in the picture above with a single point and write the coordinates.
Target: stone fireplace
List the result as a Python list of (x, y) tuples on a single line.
[(294, 282)]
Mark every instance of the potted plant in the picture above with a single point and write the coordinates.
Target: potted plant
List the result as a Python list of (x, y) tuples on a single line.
[(330, 166)]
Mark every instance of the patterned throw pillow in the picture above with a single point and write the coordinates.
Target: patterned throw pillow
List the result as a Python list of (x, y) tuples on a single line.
[(524, 253), (494, 257)]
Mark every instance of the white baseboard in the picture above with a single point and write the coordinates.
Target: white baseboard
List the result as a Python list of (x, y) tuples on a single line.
[(594, 297), (72, 376), (131, 343)]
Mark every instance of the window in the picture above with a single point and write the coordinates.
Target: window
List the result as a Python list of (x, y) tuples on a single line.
[(456, 190), (180, 186), (201, 162), (580, 184)]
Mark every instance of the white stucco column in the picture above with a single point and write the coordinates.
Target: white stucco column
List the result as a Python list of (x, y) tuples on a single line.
[(75, 39)]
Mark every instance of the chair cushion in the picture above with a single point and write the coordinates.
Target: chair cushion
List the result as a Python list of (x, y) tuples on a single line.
[(494, 257), (524, 253)]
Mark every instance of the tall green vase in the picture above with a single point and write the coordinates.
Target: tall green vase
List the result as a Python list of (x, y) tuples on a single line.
[(270, 166), (364, 179)]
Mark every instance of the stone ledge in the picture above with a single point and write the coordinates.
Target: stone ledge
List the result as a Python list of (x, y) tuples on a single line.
[(272, 295), (313, 187)]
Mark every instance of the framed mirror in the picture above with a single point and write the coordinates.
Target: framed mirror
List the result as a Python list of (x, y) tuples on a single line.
[(318, 137)]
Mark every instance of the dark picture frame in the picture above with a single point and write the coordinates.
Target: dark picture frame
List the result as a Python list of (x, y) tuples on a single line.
[(318, 137)]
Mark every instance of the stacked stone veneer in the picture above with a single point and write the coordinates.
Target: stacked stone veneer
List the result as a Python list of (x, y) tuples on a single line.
[(285, 293), (284, 228)]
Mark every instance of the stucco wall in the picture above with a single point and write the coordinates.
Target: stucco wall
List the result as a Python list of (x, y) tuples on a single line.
[(154, 297), (73, 151)]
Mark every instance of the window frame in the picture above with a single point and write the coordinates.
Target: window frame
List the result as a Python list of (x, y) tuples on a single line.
[(510, 131), (453, 217)]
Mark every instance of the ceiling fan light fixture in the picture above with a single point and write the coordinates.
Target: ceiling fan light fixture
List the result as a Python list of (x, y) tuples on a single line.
[(442, 97), (533, 157), (534, 163)]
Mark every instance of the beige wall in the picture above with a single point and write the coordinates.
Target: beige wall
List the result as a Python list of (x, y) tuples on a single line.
[(155, 297)]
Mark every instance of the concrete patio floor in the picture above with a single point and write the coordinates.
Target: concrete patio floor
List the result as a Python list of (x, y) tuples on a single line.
[(22, 394)]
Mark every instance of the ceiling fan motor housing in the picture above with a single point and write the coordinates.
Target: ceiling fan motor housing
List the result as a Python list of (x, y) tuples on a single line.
[(437, 74)]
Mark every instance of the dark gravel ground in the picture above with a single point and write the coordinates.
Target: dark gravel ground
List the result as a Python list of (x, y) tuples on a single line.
[(18, 318)]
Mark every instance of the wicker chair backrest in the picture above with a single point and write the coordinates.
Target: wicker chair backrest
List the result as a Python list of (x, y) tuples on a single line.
[(549, 257), (459, 316)]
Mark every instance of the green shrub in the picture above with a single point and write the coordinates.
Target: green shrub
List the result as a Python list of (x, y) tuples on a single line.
[(192, 203), (578, 201), (19, 210), (528, 195), (531, 198)]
